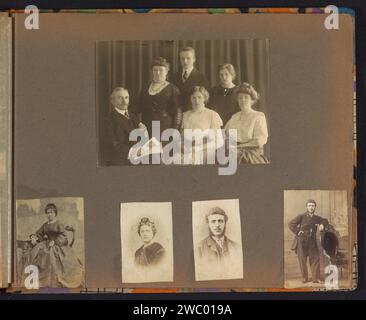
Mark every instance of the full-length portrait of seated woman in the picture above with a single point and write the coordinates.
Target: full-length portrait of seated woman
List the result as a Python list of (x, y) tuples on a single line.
[(151, 252), (250, 125), (49, 250)]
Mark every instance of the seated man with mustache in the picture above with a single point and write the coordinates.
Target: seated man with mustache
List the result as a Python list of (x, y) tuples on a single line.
[(119, 124)]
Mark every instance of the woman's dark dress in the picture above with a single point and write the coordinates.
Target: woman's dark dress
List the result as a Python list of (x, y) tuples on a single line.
[(58, 265), (163, 106), (149, 255), (223, 101)]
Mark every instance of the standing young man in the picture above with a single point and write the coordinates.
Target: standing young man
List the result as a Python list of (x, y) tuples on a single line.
[(305, 227), (188, 77)]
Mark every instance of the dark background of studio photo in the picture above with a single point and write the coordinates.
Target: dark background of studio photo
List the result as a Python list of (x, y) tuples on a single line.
[(129, 64)]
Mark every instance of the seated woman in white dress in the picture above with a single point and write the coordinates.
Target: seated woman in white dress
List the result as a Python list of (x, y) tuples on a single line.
[(203, 143), (250, 125)]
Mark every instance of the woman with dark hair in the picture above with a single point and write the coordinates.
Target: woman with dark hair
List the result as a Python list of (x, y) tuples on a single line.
[(250, 125), (223, 96), (57, 264), (159, 101), (150, 253)]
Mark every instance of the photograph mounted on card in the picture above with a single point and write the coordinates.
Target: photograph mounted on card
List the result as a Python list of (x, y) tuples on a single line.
[(204, 101), (317, 240), (147, 242), (50, 243), (217, 240)]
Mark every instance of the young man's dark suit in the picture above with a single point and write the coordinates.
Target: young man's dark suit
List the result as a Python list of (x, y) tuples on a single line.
[(195, 78), (211, 252), (304, 226), (118, 128)]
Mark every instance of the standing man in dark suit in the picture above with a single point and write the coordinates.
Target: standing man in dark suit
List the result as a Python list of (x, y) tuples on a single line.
[(188, 77), (119, 123), (305, 227)]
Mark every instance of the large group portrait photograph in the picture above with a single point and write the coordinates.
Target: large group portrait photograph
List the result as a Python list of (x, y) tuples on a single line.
[(182, 102)]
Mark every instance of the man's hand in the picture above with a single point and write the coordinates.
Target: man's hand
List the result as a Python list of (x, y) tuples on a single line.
[(300, 232), (51, 243), (321, 227)]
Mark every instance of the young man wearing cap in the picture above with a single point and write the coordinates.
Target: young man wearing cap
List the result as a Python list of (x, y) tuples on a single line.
[(305, 227), (217, 247)]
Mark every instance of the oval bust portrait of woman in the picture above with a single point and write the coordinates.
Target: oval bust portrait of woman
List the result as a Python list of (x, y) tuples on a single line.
[(151, 252)]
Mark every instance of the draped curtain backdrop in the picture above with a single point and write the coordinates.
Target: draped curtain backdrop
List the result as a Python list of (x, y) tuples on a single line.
[(128, 64)]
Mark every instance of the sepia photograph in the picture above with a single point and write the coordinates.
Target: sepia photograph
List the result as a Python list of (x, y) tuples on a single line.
[(217, 240), (316, 239), (182, 101), (50, 236), (147, 242)]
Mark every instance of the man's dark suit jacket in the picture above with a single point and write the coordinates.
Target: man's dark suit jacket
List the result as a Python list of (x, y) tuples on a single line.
[(303, 222), (118, 128), (208, 250), (196, 78)]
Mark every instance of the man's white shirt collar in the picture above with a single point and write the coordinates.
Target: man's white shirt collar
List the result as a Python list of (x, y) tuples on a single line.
[(122, 112), (189, 71)]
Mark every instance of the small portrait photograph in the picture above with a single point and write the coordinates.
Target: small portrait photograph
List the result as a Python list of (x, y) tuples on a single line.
[(50, 236), (317, 245), (147, 242), (187, 86), (217, 240)]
